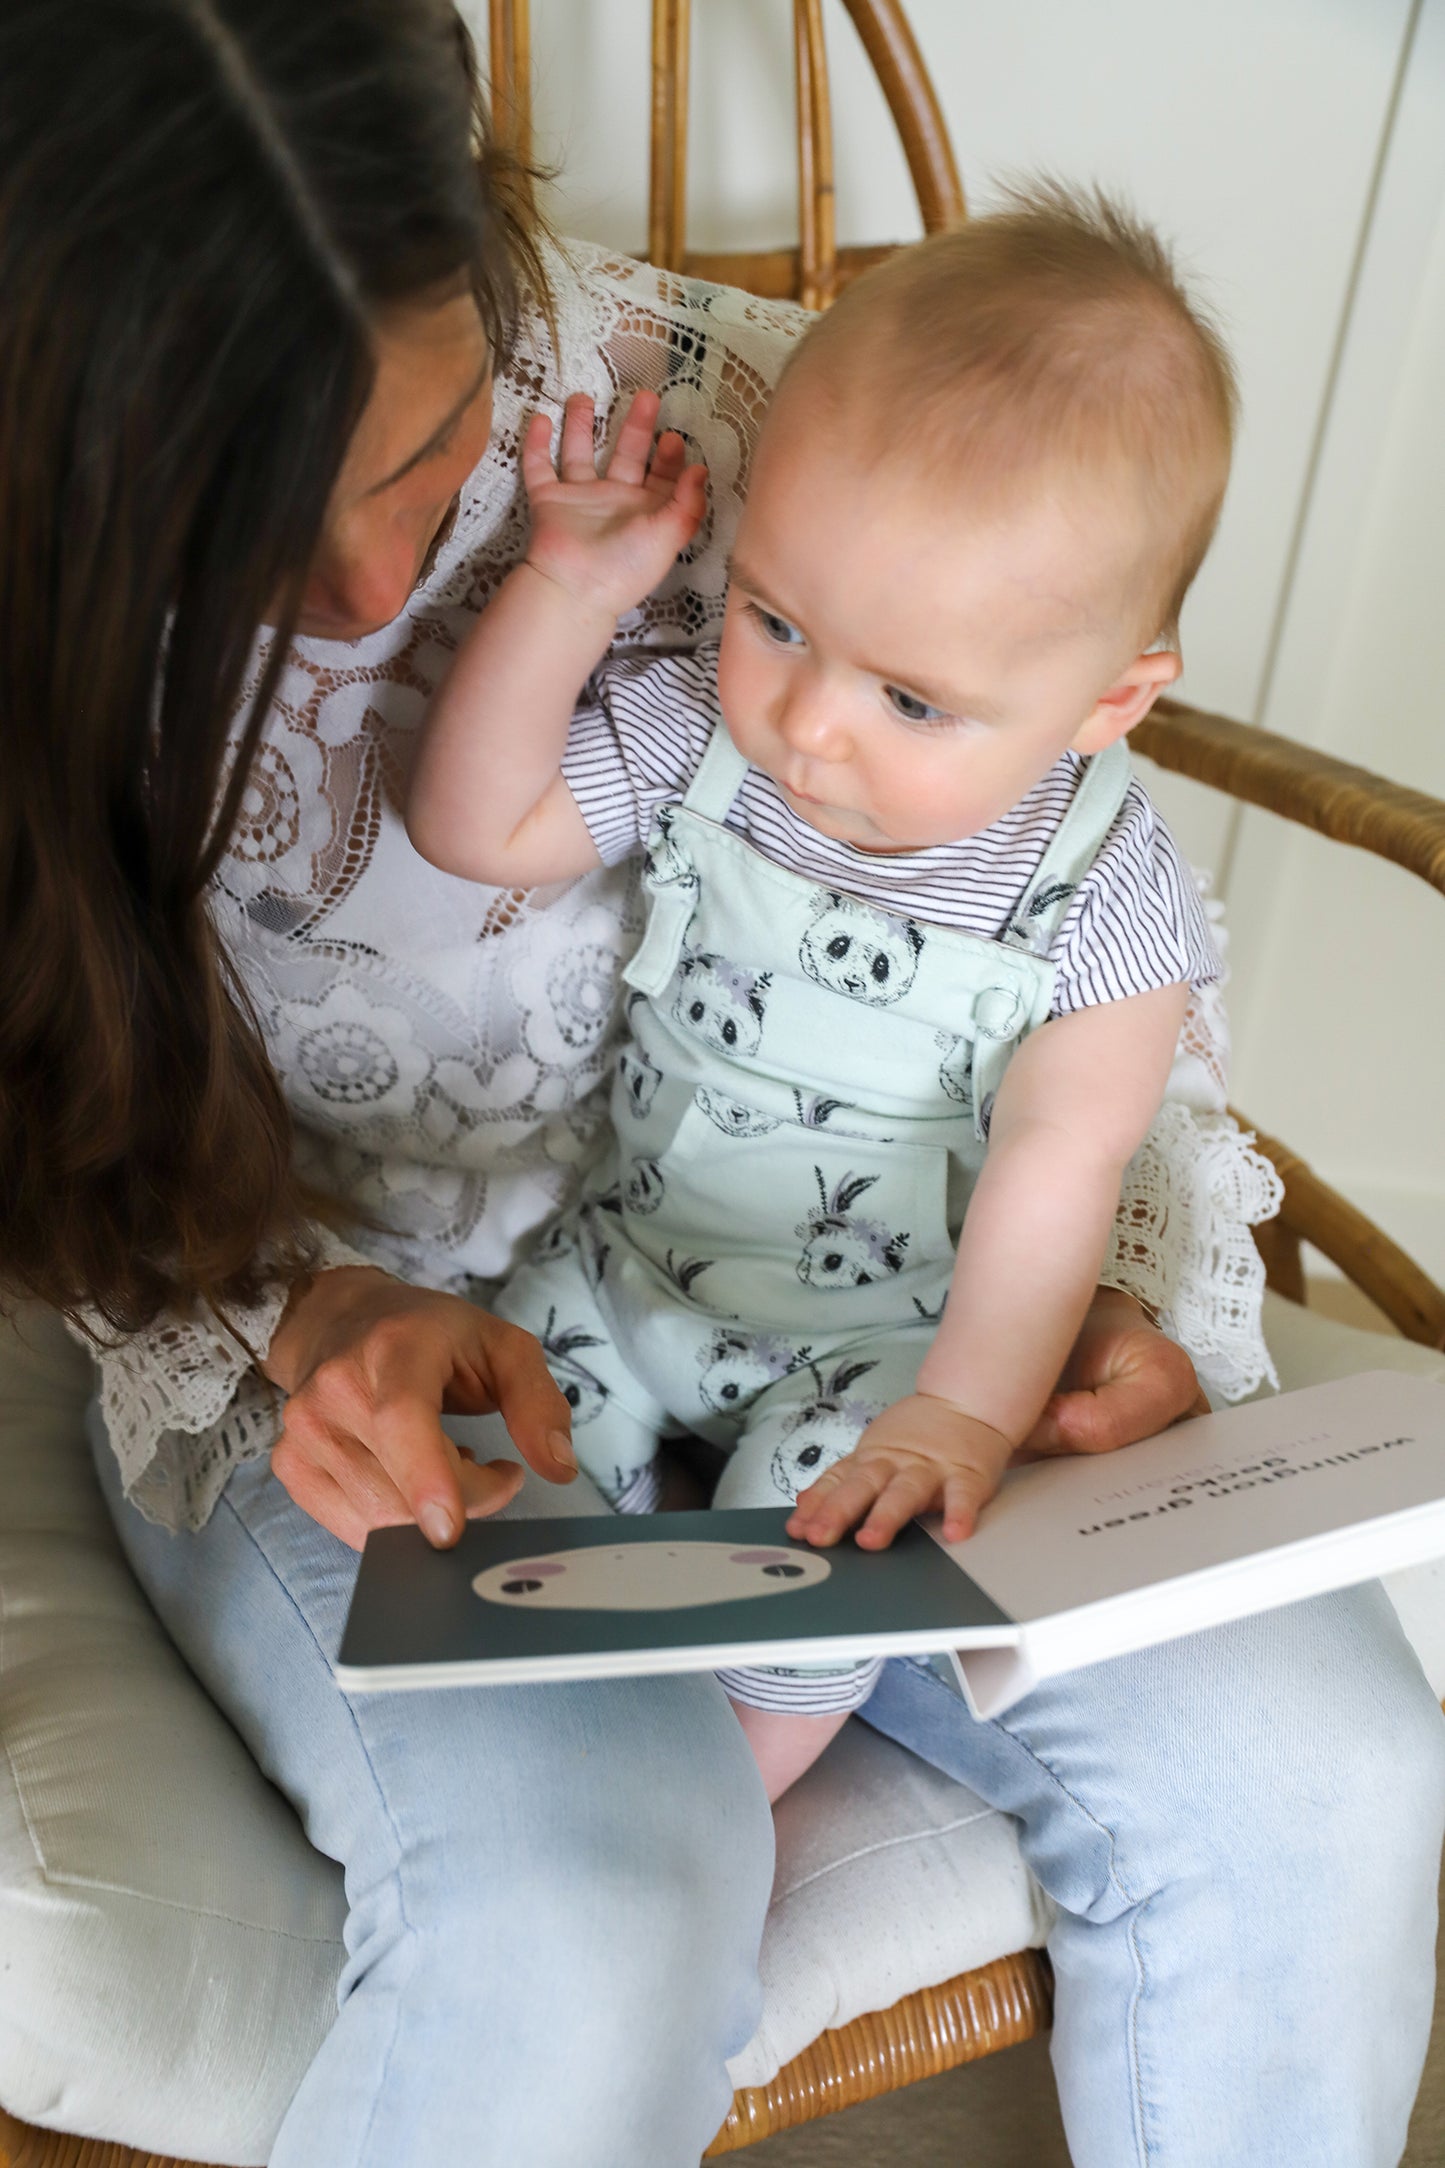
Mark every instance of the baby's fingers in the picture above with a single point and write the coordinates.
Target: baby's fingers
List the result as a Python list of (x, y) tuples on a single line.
[(908, 1493), (680, 516), (965, 1494), (838, 1500), (669, 457), (578, 462), (690, 495), (537, 467), (634, 439)]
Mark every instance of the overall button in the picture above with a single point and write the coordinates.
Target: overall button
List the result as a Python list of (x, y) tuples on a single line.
[(998, 1012)]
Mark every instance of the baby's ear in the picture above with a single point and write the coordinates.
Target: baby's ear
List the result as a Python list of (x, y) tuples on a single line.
[(1128, 700)]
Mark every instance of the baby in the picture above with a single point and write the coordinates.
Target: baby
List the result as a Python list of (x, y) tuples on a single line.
[(917, 948)]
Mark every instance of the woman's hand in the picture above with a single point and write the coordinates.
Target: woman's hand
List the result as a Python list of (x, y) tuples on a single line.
[(368, 1364), (1123, 1380)]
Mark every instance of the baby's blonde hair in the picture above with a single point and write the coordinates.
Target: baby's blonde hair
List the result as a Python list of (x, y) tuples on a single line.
[(1050, 340)]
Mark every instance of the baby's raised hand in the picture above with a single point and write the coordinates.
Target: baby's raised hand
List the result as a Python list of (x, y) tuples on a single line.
[(609, 538), (921, 1455)]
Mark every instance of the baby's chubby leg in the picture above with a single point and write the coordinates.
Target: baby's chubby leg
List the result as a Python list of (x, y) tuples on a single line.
[(784, 1745), (793, 1431), (616, 1423)]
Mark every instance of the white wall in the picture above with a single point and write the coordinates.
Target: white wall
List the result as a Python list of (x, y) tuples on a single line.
[(1295, 151), (1339, 1017)]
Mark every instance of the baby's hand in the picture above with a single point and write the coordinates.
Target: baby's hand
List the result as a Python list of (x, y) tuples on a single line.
[(921, 1454), (609, 540)]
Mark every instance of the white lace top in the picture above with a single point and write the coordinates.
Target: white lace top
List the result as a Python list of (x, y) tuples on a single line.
[(441, 1044)]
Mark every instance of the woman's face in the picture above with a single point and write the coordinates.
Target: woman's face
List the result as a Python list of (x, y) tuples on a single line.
[(423, 430)]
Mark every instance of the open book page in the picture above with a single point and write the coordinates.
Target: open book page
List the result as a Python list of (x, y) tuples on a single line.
[(1076, 1560), (601, 1596), (1222, 1516)]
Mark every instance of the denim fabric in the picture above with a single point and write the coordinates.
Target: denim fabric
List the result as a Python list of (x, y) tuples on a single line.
[(1242, 1833), (556, 1894)]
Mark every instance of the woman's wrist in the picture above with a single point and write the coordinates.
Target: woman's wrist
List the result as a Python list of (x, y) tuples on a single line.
[(314, 1302), (1112, 1304)]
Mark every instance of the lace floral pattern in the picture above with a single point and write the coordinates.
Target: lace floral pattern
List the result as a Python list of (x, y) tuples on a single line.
[(184, 1402), (1190, 1195), (441, 1044)]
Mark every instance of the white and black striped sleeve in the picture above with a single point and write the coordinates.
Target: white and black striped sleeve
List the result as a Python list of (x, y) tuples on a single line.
[(1137, 921), (638, 736)]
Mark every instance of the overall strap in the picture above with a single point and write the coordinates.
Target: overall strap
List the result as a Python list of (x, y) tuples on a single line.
[(670, 878), (1074, 847), (719, 777)]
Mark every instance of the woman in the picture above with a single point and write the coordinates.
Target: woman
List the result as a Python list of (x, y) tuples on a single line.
[(266, 337)]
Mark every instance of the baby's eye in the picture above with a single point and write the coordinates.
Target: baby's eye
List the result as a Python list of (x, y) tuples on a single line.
[(773, 627), (911, 708)]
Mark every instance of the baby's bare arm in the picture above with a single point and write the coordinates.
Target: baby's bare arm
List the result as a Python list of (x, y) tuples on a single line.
[(487, 798), (1072, 1111)]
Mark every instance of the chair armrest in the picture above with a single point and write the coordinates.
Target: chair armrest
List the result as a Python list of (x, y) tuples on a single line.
[(1331, 796), (1313, 1212)]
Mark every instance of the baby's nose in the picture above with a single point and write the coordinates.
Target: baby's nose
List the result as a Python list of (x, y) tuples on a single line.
[(811, 722)]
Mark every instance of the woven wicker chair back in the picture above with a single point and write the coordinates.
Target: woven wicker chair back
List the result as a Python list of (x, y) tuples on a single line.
[(814, 270)]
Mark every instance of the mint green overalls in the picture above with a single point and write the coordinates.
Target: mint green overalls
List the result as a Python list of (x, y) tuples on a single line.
[(799, 1114)]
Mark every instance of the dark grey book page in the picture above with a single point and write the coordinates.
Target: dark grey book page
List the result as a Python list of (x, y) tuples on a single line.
[(623, 1584)]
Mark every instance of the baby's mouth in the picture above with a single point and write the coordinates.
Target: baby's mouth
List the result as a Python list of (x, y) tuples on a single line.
[(805, 797)]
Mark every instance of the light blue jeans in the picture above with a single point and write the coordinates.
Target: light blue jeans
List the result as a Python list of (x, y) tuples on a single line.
[(1242, 1831), (556, 1895)]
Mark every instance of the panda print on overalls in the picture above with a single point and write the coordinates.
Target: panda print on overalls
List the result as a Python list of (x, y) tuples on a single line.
[(645, 1186), (734, 1117), (817, 1111), (841, 1247), (864, 954), (558, 1242), (684, 1272), (664, 863), (1026, 927), (722, 1002), (737, 1366), (584, 1393), (593, 1221), (640, 1079), (955, 1071), (823, 1430)]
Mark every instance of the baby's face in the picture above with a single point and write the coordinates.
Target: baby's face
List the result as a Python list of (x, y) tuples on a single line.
[(906, 670)]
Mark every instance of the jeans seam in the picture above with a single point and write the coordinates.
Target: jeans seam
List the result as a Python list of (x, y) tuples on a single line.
[(1136, 1904), (1136, 2000), (228, 1505)]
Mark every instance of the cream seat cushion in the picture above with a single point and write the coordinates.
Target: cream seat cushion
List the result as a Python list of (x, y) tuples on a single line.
[(169, 1942)]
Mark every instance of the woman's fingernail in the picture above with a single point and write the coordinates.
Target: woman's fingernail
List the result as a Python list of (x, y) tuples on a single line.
[(436, 1524), (560, 1447)]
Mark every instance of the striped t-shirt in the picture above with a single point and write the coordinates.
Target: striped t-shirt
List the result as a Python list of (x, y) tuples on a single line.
[(1135, 922)]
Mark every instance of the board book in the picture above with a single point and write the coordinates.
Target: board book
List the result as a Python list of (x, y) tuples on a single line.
[(1075, 1560)]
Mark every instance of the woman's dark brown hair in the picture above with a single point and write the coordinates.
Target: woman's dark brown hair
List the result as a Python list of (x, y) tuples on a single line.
[(203, 204)]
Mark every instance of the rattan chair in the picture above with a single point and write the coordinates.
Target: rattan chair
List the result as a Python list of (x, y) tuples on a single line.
[(939, 2028), (970, 2016)]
